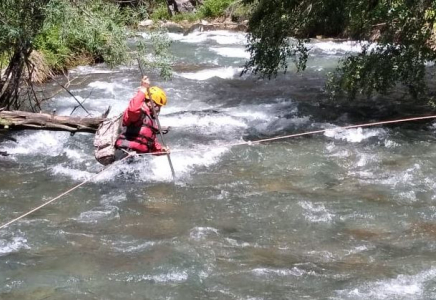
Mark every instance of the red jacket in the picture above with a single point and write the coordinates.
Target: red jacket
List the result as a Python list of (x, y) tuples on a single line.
[(139, 128)]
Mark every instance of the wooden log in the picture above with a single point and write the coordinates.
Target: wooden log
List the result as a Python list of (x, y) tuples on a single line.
[(18, 120)]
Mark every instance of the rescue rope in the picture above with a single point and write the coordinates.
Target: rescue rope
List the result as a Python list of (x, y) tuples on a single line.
[(131, 154), (64, 193), (302, 134)]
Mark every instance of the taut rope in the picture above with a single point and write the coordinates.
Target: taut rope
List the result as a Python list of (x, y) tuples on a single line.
[(225, 145), (304, 133), (63, 194)]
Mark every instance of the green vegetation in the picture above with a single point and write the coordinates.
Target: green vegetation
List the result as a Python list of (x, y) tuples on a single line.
[(209, 10), (214, 8), (20, 22), (162, 58), (401, 35), (160, 12), (402, 29), (93, 28), (66, 33)]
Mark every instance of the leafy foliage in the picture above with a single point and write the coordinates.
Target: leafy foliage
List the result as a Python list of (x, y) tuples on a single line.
[(20, 22), (209, 9), (214, 8), (159, 57), (160, 12), (63, 31), (402, 29), (94, 27)]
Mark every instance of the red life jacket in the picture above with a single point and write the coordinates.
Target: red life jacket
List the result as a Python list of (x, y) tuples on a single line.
[(139, 136)]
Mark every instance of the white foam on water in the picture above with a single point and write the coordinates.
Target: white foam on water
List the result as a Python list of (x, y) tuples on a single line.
[(199, 233), (65, 105), (248, 112), (323, 255), (433, 126), (76, 155), (268, 118), (276, 124), (239, 244), (170, 277), (316, 213), (362, 174), (151, 168), (229, 124), (391, 144), (354, 135), (193, 38), (364, 159), (38, 143), (85, 70), (109, 200), (75, 174), (14, 285), (401, 287), (333, 48), (206, 123), (279, 272), (224, 73), (403, 179), (95, 107), (409, 196), (359, 249), (231, 52), (222, 37), (99, 214), (107, 87), (132, 246), (13, 245), (184, 163)]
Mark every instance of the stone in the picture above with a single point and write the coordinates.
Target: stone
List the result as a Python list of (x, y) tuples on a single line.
[(146, 23), (173, 27)]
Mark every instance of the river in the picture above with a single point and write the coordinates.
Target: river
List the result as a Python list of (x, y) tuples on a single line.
[(345, 214)]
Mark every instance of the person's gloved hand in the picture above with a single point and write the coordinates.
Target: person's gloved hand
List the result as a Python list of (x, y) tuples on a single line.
[(145, 84), (162, 151)]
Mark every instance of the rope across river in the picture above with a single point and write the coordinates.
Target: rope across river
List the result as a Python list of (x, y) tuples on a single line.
[(224, 145)]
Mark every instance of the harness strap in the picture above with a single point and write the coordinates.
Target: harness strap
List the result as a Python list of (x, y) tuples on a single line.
[(132, 133)]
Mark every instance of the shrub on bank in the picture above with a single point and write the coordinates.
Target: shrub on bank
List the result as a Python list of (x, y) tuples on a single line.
[(95, 28), (214, 8), (52, 35), (160, 12), (208, 10)]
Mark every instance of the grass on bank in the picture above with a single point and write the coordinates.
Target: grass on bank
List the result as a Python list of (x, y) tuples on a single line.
[(92, 31), (98, 30), (209, 10)]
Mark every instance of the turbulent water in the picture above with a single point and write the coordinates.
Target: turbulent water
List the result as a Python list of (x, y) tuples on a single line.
[(345, 214)]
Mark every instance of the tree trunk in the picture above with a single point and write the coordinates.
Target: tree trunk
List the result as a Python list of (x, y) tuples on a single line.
[(18, 120)]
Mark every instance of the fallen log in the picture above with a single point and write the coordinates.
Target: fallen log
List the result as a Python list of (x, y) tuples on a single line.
[(18, 120)]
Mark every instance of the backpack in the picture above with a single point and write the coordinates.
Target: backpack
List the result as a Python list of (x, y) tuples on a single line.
[(105, 138)]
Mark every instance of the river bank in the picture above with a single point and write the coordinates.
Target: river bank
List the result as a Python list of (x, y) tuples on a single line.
[(186, 27)]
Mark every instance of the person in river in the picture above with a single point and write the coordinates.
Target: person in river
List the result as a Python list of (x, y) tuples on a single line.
[(139, 126)]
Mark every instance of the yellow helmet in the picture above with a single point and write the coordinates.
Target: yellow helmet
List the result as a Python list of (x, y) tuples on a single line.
[(157, 95)]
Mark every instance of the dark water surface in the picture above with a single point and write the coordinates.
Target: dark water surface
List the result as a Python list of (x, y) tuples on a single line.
[(349, 214)]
